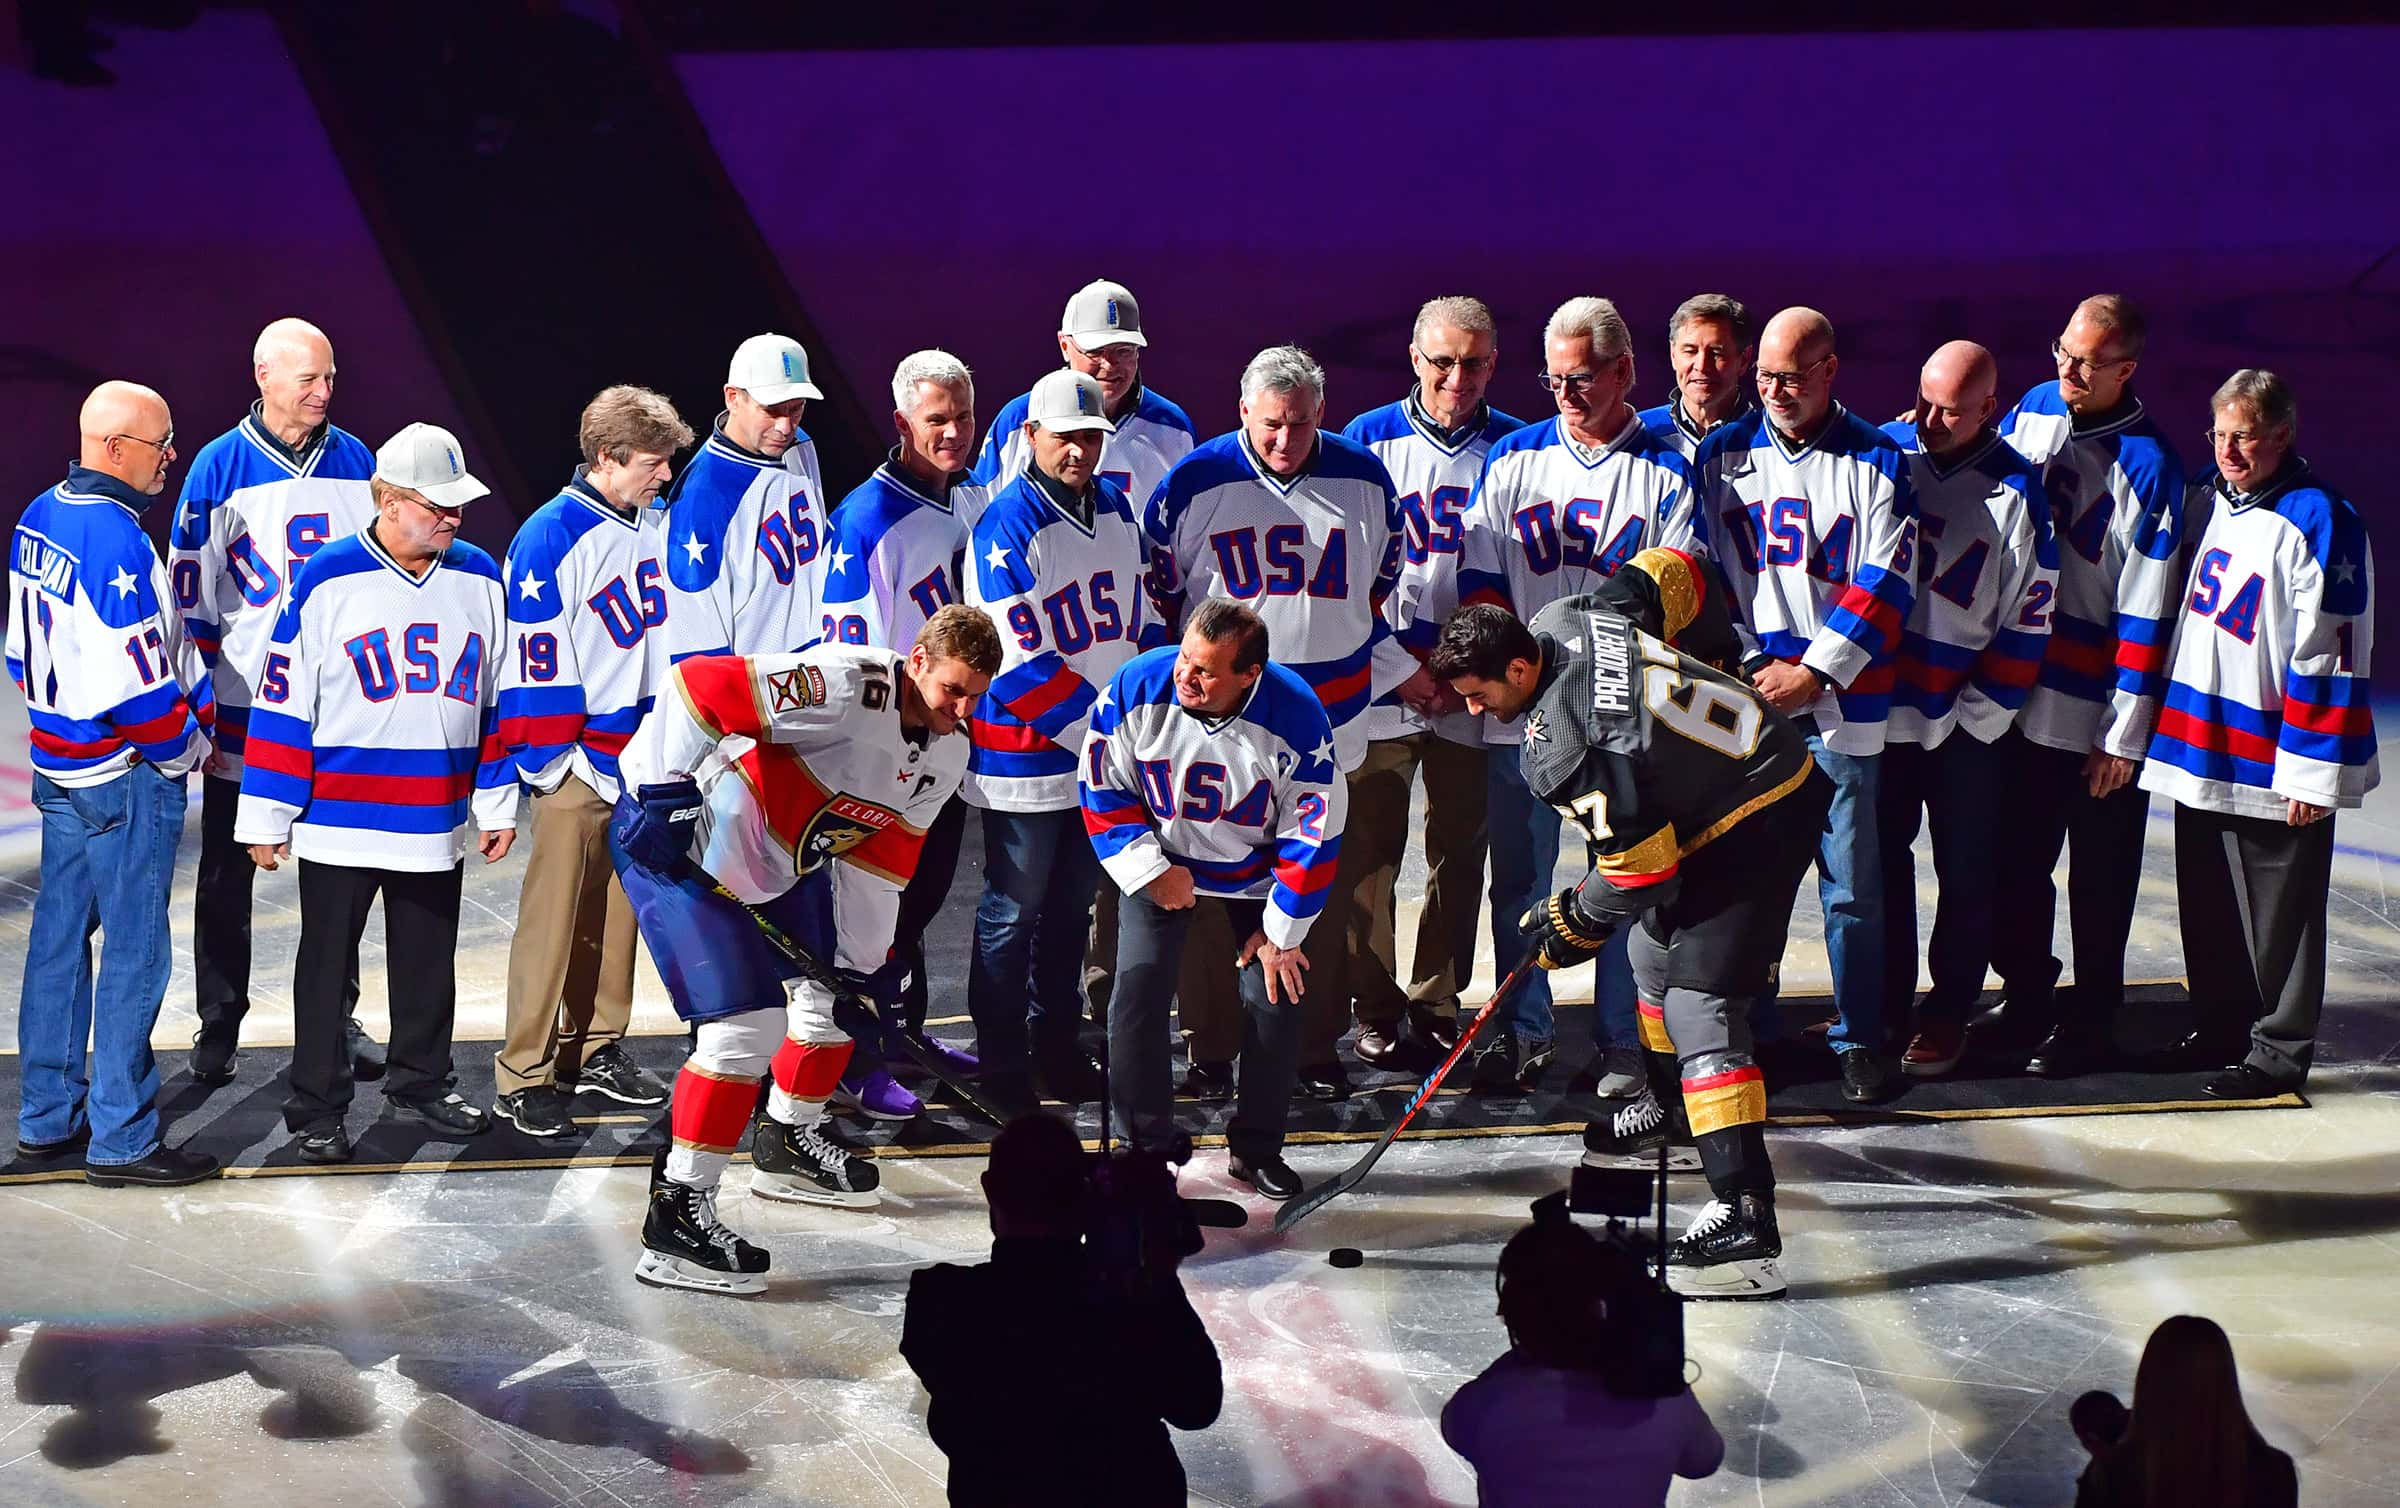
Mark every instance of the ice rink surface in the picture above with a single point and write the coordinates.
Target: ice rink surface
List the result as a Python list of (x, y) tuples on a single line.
[(477, 1338)]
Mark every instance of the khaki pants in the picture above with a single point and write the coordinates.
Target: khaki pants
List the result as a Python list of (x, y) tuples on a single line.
[(1365, 898), (570, 965)]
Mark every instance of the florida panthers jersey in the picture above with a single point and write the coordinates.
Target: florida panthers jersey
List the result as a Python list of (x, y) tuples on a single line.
[(1149, 441), (587, 598), (894, 558), (2267, 694), (376, 733), (1988, 574), (745, 536), (253, 510), (1315, 556), (1819, 544), (1067, 597), (1435, 475), (1251, 803), (108, 673), (803, 763), (2116, 499), (1671, 426)]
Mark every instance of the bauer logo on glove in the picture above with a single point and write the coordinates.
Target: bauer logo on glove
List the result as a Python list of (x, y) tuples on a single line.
[(1561, 939)]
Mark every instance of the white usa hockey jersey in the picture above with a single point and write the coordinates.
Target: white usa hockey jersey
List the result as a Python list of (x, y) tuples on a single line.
[(803, 764), (1435, 475), (587, 598), (1819, 545), (2267, 693), (1067, 598), (108, 673), (1251, 804), (253, 511), (2116, 497), (376, 734), (1315, 556), (1987, 576), (894, 558), (745, 540), (1150, 439)]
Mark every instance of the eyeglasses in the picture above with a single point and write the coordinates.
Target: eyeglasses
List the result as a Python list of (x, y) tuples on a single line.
[(2237, 439), (1576, 383), (1473, 366), (1769, 381), (438, 510), (161, 446), (2058, 353)]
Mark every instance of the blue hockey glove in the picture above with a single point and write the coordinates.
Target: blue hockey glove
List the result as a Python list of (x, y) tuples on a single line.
[(660, 835), (1561, 938)]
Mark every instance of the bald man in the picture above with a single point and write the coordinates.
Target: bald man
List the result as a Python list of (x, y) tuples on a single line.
[(1987, 571), (119, 703), (259, 501), (1808, 508)]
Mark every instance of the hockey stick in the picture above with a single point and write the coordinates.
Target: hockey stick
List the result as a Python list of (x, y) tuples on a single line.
[(1299, 1209), (816, 973)]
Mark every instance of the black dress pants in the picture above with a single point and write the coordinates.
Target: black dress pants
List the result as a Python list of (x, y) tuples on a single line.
[(420, 937), (2251, 893), (2047, 807)]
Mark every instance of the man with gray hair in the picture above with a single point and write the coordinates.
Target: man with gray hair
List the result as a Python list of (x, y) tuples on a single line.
[(2266, 731), (260, 499), (1562, 505), (1433, 442), (1303, 528), (893, 562), (1711, 341)]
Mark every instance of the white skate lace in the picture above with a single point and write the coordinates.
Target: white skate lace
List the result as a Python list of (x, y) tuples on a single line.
[(1639, 1118), (1713, 1218), (831, 1156), (704, 1215)]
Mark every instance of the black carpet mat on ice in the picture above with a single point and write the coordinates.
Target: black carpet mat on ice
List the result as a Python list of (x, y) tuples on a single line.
[(242, 1124)]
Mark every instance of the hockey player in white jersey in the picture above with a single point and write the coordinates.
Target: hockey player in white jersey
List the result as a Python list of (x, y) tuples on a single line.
[(259, 500), (898, 540), (1563, 504), (800, 785), (1433, 442), (746, 517), (1056, 563), (373, 743), (2116, 495), (1711, 343), (2266, 732), (1974, 641), (1100, 335), (1806, 507)]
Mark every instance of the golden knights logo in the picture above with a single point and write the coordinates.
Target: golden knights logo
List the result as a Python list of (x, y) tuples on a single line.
[(837, 827)]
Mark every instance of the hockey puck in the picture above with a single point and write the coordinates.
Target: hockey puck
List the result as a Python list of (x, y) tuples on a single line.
[(1345, 1256)]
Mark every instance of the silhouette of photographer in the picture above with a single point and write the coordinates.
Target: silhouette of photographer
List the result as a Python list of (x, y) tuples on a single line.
[(1055, 1368), (1577, 1413)]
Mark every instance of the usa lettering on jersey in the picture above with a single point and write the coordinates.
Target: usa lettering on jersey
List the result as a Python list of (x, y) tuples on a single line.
[(1252, 806), (745, 551), (894, 559)]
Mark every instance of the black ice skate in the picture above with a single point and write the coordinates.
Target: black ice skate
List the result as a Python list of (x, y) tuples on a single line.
[(1729, 1252), (685, 1245), (1630, 1136), (806, 1165)]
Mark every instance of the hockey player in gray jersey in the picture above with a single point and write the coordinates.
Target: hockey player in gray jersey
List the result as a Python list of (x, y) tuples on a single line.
[(1702, 809)]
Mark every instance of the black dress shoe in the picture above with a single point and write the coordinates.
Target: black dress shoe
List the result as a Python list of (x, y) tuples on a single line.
[(213, 1056), (1865, 1081), (65, 1149), (366, 1057), (2243, 1081), (447, 1113), (165, 1168), (1210, 1082), (328, 1143), (1433, 1028), (1378, 1046), (2203, 1045), (2067, 1054), (1271, 1176), (1071, 1077), (1324, 1081)]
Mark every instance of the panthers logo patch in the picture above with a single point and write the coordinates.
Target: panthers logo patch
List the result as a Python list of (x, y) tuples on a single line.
[(837, 827)]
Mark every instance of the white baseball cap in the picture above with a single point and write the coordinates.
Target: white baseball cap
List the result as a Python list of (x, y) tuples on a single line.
[(1067, 400), (772, 369), (1103, 314), (425, 459)]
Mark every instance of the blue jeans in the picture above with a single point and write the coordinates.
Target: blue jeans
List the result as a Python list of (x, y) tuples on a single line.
[(1524, 855), (1025, 985), (108, 860), (1850, 888)]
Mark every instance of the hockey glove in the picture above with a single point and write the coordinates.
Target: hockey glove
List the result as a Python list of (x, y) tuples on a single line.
[(659, 837), (1560, 938)]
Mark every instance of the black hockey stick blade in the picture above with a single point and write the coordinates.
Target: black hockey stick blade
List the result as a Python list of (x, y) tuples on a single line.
[(1310, 1201), (815, 972), (1216, 1214)]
